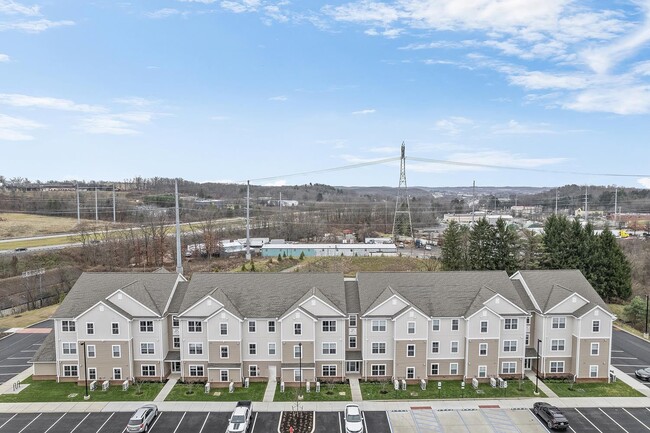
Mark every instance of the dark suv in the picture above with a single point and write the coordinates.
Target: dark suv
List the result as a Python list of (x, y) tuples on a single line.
[(553, 417)]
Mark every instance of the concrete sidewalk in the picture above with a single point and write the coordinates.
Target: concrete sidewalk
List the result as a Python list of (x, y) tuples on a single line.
[(164, 392), (541, 385), (355, 389), (631, 381), (7, 387)]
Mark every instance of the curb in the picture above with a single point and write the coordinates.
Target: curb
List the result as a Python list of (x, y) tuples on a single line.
[(628, 332)]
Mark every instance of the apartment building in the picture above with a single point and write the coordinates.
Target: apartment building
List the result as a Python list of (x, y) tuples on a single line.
[(225, 327)]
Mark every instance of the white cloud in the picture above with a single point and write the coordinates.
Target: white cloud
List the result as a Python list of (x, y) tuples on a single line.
[(514, 127), (366, 111), (384, 149), (622, 100), (205, 2), (17, 100), (10, 7), (16, 128), (537, 80), (163, 13), (280, 98), (644, 182), (135, 101), (391, 33), (117, 123), (452, 125), (4, 58), (220, 118), (35, 26), (240, 6)]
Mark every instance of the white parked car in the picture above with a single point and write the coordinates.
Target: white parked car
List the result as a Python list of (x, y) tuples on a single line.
[(142, 419), (353, 419)]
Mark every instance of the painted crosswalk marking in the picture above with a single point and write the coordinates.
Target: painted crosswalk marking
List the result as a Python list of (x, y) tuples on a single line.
[(500, 421), (426, 421)]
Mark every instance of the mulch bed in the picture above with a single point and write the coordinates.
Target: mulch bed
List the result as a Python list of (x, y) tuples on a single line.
[(302, 422)]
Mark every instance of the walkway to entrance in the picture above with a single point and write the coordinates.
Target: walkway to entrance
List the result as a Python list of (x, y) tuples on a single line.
[(270, 389), (162, 395), (355, 389)]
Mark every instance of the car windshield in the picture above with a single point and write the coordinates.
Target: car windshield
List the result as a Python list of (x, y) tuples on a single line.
[(646, 370), (236, 419), (354, 417), (135, 421)]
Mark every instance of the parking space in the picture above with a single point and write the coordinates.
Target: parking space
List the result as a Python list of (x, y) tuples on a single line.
[(606, 420), (167, 422), (265, 422), (328, 422), (629, 353), (376, 421)]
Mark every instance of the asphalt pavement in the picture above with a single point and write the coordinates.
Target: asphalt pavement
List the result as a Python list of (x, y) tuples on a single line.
[(18, 349), (629, 353)]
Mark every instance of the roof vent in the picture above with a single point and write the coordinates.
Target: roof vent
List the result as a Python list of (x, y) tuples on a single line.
[(119, 296), (223, 315), (394, 301), (101, 308), (209, 302), (497, 300), (297, 315), (574, 299), (411, 314), (313, 302), (596, 313)]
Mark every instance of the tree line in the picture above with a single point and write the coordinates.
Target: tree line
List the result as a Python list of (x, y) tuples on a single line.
[(564, 245)]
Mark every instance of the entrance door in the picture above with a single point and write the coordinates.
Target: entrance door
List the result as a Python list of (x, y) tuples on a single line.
[(272, 372), (176, 366), (352, 366), (528, 364)]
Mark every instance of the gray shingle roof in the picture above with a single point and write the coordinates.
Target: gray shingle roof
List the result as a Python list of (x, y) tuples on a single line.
[(265, 294), (352, 296), (47, 351), (528, 303), (438, 294), (153, 290), (550, 287), (177, 299)]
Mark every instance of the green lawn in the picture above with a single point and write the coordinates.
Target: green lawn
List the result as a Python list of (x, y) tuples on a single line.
[(180, 393), (48, 390), (615, 389), (327, 393), (450, 389)]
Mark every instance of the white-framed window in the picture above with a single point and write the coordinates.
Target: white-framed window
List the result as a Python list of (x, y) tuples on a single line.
[(90, 328), (410, 350), (558, 323), (195, 348), (92, 373), (177, 342), (435, 347), (410, 372), (435, 325), (528, 320), (454, 347), (557, 345), (453, 368), (70, 370), (482, 371), (68, 326), (115, 328), (223, 328), (595, 326), (296, 351), (454, 324), (148, 370), (595, 349), (196, 370), (271, 349), (116, 350), (329, 325), (146, 325), (508, 367), (117, 373), (557, 367), (69, 348), (593, 371), (91, 351), (410, 327), (527, 338), (509, 345), (224, 352), (194, 326), (435, 369), (329, 348), (484, 326), (147, 348), (482, 349), (353, 320), (271, 326), (352, 342), (297, 376), (297, 328), (175, 322), (378, 369), (252, 348), (253, 371), (252, 326), (378, 326), (224, 375), (378, 347), (329, 370), (511, 323)]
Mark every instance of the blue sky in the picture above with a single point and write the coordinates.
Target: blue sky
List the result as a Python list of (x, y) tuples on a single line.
[(229, 90)]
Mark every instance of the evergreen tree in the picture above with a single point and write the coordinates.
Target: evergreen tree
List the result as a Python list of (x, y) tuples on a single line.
[(481, 246), (635, 311), (556, 242), (531, 250), (505, 247), (611, 274), (452, 254)]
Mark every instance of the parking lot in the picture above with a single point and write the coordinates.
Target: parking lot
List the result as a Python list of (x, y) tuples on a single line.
[(422, 420), (629, 353)]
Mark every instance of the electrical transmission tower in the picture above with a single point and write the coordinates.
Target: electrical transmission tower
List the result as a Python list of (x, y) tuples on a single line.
[(402, 221)]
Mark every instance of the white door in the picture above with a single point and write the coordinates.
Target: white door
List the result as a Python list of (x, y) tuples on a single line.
[(272, 372)]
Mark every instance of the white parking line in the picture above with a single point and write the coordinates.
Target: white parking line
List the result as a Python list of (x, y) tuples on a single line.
[(21, 357), (77, 426), (179, 422), (160, 414), (28, 350), (254, 421), (618, 351), (13, 366), (629, 365), (338, 416), (365, 426), (640, 422), (613, 420), (102, 426), (30, 422), (206, 420), (7, 421), (390, 425), (54, 423), (589, 421), (624, 357), (539, 420)]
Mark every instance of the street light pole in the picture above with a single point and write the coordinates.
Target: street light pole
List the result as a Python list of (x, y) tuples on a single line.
[(300, 386), (539, 341), (83, 344), (647, 299)]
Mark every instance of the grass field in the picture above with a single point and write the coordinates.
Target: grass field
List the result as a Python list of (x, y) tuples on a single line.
[(181, 392), (17, 225), (335, 392), (28, 317), (350, 265), (615, 389), (49, 390)]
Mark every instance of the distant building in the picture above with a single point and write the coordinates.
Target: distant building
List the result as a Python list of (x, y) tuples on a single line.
[(379, 240), (525, 210), (328, 250)]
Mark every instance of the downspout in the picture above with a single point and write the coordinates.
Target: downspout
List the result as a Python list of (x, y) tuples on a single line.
[(130, 345), (162, 346)]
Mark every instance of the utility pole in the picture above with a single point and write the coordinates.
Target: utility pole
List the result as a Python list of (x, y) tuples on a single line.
[(248, 220), (647, 303), (402, 198), (113, 203), (78, 207), (96, 209), (473, 199), (615, 207), (556, 197), (586, 204), (179, 259)]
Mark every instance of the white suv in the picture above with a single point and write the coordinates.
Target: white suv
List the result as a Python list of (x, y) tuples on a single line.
[(353, 419), (142, 419)]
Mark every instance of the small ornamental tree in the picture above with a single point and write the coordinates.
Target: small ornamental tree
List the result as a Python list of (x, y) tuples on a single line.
[(635, 311)]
